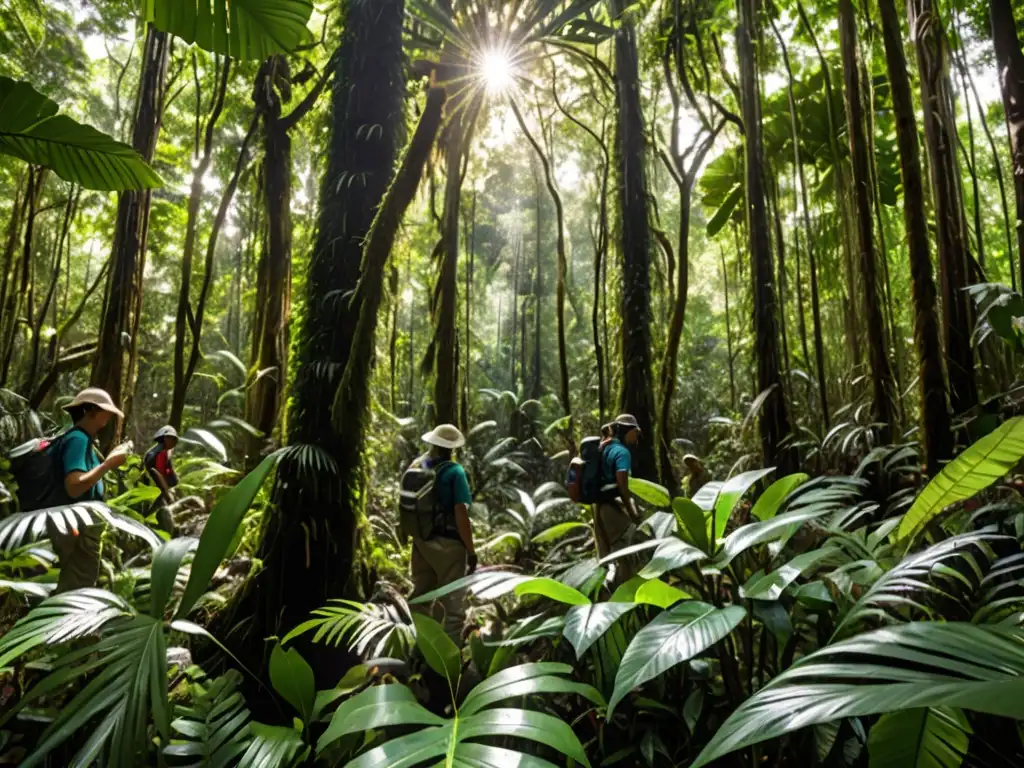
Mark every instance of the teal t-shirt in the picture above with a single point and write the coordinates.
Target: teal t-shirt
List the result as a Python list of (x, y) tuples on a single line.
[(453, 487), (77, 455), (617, 458)]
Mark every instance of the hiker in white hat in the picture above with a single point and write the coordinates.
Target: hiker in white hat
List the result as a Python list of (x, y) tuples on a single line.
[(91, 410), (160, 469), (442, 544)]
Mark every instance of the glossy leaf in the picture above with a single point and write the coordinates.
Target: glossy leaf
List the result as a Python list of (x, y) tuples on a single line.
[(377, 707), (705, 498), (674, 636), (272, 746), (693, 521), (555, 532), (769, 502), (437, 648), (733, 490), (670, 555), (292, 677), (31, 129), (214, 729), (936, 737), (657, 592), (554, 590), (985, 462), (584, 624), (242, 29), (753, 534), (652, 493), (921, 664), (225, 517), (770, 586), (166, 563)]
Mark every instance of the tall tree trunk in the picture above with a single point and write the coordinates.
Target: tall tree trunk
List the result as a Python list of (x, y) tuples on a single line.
[(728, 333), (19, 206), (881, 372), (560, 288), (309, 544), (635, 242), (517, 257), (185, 322), (468, 304), (934, 419), (538, 291), (1010, 64), (940, 139), (122, 302), (774, 418)]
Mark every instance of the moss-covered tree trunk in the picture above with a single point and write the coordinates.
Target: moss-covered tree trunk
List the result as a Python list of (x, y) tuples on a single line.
[(1010, 64), (309, 542), (636, 395), (122, 305), (883, 395)]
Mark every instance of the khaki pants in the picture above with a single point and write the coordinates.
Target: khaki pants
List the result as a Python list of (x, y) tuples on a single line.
[(435, 563), (614, 530), (78, 555)]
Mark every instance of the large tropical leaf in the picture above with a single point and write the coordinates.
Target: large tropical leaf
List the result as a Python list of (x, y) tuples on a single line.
[(938, 573), (673, 637), (126, 667), (292, 677), (770, 586), (31, 129), (221, 526), (214, 730), (768, 504), (394, 705), (371, 630), (672, 553), (922, 664), (242, 29), (929, 737), (439, 651), (553, 590), (584, 624), (975, 469), (733, 490), (274, 746), (752, 534), (23, 527), (652, 493)]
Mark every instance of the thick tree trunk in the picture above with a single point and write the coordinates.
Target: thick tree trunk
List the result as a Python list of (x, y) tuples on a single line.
[(950, 222), (1010, 64), (934, 420), (536, 388), (446, 374), (122, 304), (636, 395), (881, 372), (728, 334), (309, 544), (774, 418)]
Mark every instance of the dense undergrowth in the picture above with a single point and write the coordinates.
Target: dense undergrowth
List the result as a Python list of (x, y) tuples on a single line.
[(840, 620)]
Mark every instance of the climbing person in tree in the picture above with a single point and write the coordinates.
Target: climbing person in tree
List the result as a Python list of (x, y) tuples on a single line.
[(436, 499), (161, 471), (82, 472), (615, 518)]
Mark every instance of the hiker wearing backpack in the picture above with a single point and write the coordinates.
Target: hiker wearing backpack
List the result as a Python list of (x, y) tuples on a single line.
[(615, 516), (435, 501), (161, 471)]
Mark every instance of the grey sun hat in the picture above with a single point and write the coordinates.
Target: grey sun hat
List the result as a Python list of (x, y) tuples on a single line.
[(97, 397), (445, 436), (627, 420), (167, 431)]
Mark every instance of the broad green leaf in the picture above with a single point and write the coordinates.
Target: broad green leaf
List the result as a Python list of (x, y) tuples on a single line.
[(733, 490), (376, 707), (767, 505), (554, 590), (975, 469), (652, 493), (674, 636), (693, 521), (584, 624), (556, 532), (669, 556), (752, 534), (225, 517), (242, 29), (526, 680), (484, 585), (706, 496), (292, 677), (724, 213), (31, 129), (661, 524), (770, 586), (692, 708), (657, 592), (166, 562), (524, 724), (921, 664), (936, 737), (626, 592), (437, 648), (272, 746)]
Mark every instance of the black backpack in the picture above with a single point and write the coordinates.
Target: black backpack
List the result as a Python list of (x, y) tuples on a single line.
[(419, 505), (36, 466), (587, 482)]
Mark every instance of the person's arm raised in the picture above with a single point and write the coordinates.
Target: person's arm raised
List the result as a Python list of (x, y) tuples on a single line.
[(77, 484)]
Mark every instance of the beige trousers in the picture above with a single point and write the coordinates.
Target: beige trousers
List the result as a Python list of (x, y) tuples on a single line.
[(437, 562), (614, 530)]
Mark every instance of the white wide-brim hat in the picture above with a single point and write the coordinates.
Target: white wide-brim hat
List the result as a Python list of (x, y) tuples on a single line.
[(445, 436), (95, 396)]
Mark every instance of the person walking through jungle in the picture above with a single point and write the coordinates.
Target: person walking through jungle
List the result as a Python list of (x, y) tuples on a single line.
[(615, 519), (82, 471), (696, 475), (436, 491), (161, 471)]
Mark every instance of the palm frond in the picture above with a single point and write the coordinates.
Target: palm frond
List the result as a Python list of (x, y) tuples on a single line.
[(369, 629), (24, 527), (215, 729)]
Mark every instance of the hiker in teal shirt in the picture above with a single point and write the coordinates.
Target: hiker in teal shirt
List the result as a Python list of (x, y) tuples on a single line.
[(91, 410), (615, 519)]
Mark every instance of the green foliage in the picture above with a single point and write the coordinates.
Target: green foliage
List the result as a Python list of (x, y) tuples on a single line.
[(31, 129), (934, 737)]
